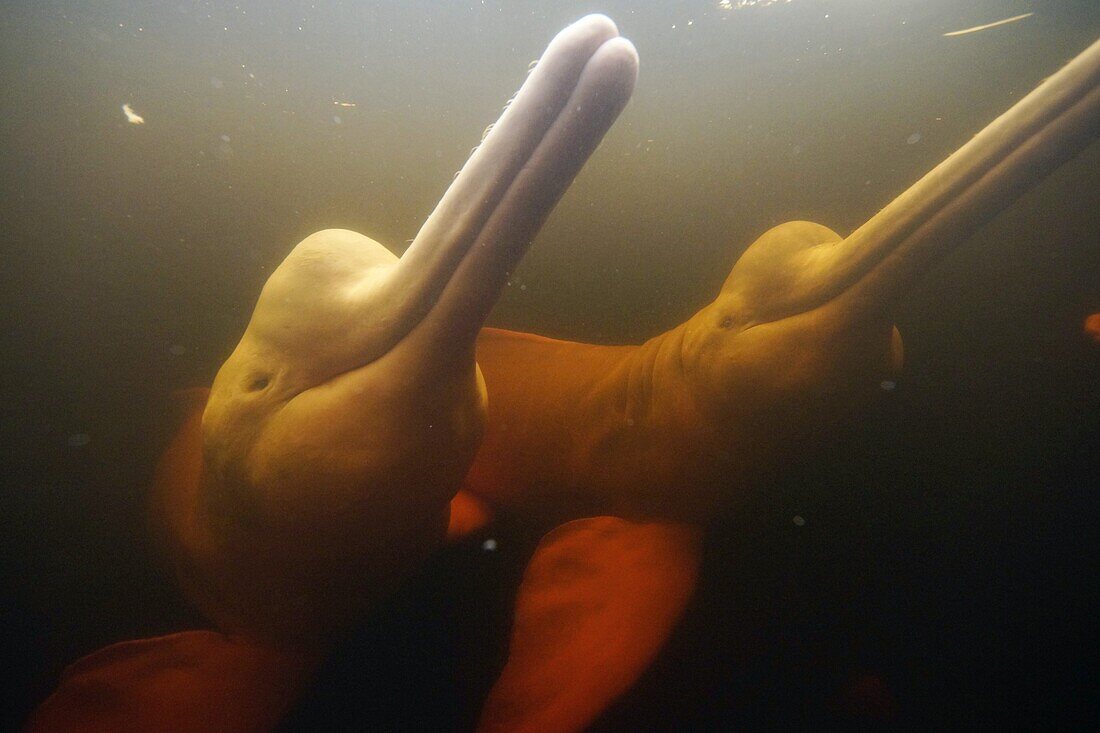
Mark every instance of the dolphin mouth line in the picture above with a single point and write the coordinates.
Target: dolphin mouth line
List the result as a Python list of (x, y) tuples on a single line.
[(527, 167), (451, 275), (1011, 155)]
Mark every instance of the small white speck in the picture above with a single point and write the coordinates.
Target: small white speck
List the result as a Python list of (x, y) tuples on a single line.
[(177, 349), (888, 385), (79, 440), (913, 139), (225, 138), (489, 545), (798, 520)]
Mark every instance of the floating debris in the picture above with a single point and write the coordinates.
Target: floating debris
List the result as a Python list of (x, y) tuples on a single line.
[(177, 349), (913, 139), (338, 103), (738, 4), (888, 385), (489, 545), (987, 26), (131, 116), (798, 521)]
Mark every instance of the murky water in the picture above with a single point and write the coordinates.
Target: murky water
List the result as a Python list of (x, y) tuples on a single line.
[(943, 547)]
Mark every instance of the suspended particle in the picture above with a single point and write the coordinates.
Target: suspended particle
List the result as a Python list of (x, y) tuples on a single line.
[(987, 26), (131, 116)]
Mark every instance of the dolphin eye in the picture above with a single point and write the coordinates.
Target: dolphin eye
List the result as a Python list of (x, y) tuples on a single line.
[(258, 382)]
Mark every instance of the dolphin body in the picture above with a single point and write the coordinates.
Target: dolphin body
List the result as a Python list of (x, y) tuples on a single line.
[(634, 449), (319, 468)]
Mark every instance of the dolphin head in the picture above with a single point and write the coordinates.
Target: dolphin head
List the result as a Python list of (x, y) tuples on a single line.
[(803, 326), (345, 419)]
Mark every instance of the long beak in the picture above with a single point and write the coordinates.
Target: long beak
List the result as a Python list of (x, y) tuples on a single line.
[(456, 267), (877, 262)]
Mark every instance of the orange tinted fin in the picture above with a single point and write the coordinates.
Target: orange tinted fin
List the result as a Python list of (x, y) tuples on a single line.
[(191, 681), (175, 503), (468, 515), (598, 600), (1092, 327)]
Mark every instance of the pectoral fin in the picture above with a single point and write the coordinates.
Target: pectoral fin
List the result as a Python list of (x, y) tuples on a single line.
[(598, 600), (469, 514), (195, 681)]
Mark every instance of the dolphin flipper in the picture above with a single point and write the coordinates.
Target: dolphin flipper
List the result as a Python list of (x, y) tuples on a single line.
[(181, 683), (598, 600)]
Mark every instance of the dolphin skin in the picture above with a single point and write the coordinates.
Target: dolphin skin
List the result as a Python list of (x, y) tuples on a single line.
[(320, 468), (634, 449)]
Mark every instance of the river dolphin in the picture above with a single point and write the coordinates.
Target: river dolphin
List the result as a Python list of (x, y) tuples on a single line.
[(634, 449), (320, 467)]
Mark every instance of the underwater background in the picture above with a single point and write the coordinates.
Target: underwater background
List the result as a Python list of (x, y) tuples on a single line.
[(945, 541)]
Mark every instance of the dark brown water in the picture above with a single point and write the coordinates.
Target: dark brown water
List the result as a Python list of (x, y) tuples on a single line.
[(947, 543)]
